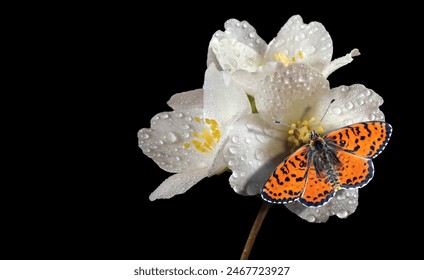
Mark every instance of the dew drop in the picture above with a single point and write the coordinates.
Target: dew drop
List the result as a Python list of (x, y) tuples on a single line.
[(235, 174), (232, 162), (360, 102), (349, 105), (342, 214), (235, 139), (178, 114), (172, 137), (248, 140), (337, 110), (259, 154), (147, 150), (234, 150), (243, 158), (159, 142), (311, 218), (250, 126), (258, 41), (144, 136), (186, 135), (261, 138), (367, 92), (341, 196), (351, 202), (252, 34), (164, 116), (245, 25), (227, 67)]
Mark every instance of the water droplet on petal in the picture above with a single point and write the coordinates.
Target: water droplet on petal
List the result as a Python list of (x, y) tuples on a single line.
[(341, 196), (342, 214), (186, 135), (144, 136), (337, 110), (232, 162), (178, 114), (367, 92), (360, 102), (259, 154), (351, 202), (245, 25), (235, 139), (261, 138), (243, 158), (164, 116), (349, 105), (159, 142), (311, 218), (233, 150), (250, 126), (252, 34), (172, 137), (235, 174)]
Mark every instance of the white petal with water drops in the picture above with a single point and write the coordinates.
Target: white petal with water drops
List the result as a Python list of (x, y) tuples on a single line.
[(312, 40), (187, 100), (178, 184), (223, 99), (238, 47), (285, 93), (342, 205), (250, 159), (164, 141), (353, 104)]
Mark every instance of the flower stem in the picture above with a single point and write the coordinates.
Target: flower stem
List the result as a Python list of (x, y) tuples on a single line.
[(255, 229)]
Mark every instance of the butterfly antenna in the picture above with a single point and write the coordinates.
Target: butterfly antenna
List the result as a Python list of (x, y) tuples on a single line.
[(326, 111), (281, 123)]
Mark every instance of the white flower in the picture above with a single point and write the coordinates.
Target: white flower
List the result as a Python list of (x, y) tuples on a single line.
[(188, 141), (298, 95), (239, 47)]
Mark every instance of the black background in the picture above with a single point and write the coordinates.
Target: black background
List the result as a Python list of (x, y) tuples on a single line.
[(81, 185)]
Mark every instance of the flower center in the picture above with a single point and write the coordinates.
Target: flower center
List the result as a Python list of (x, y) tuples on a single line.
[(283, 58), (300, 132), (206, 139)]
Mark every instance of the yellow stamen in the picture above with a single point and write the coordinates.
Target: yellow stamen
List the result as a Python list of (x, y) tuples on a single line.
[(207, 138), (300, 132), (284, 59), (300, 54)]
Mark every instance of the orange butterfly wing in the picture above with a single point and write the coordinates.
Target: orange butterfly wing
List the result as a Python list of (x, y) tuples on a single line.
[(318, 190), (366, 139), (288, 180), (354, 171)]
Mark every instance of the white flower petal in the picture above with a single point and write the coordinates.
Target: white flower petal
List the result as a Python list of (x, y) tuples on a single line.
[(343, 204), (253, 151), (287, 93), (187, 100), (178, 184), (164, 141), (238, 47), (340, 62), (247, 80), (312, 40), (223, 99), (353, 104)]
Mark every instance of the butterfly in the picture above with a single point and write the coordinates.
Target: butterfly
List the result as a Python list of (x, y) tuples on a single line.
[(340, 159)]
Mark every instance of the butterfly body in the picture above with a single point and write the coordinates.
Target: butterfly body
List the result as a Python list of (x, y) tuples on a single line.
[(338, 160)]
